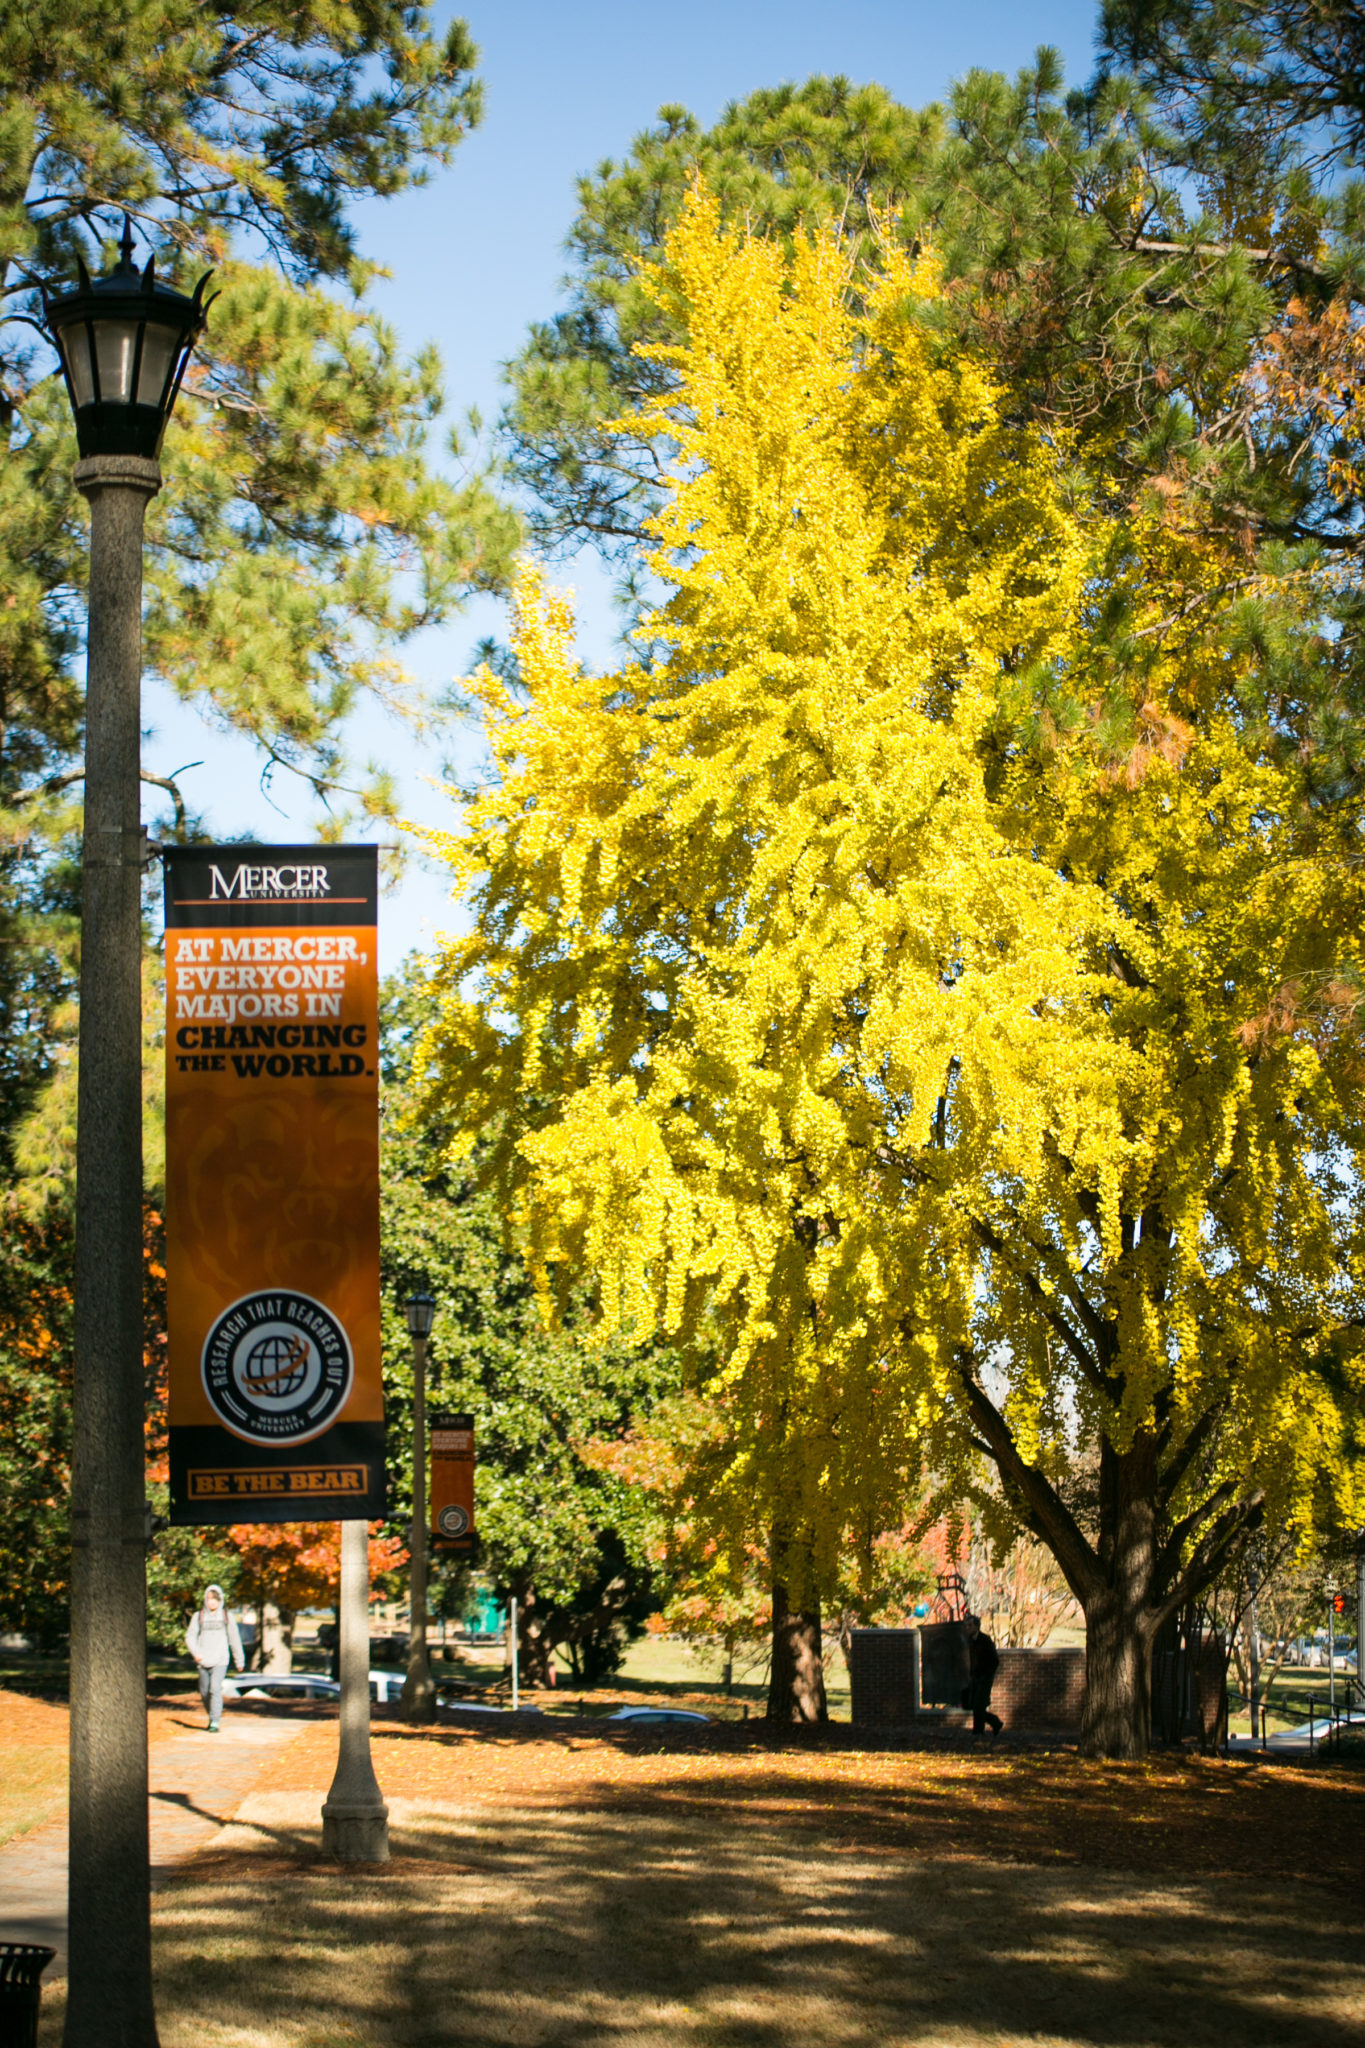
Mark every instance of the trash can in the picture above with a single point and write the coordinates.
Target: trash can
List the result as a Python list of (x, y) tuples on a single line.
[(21, 1986)]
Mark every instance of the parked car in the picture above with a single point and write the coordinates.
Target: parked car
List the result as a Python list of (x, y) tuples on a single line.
[(279, 1685), (304, 1685), (649, 1717), (482, 1707)]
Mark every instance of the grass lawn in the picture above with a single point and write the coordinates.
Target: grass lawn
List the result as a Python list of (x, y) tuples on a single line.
[(655, 1667), (33, 1746), (33, 1759), (564, 1889), (659, 1663), (1287, 1700)]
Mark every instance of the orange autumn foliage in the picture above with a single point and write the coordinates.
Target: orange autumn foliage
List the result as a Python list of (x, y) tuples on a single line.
[(298, 1564)]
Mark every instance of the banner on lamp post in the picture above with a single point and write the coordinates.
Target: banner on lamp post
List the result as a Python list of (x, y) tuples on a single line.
[(451, 1492), (272, 1184)]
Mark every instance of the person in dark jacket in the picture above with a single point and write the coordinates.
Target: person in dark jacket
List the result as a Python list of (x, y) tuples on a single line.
[(211, 1639), (985, 1662)]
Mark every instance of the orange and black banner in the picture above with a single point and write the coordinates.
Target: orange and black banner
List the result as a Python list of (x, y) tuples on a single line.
[(452, 1482), (272, 1184)]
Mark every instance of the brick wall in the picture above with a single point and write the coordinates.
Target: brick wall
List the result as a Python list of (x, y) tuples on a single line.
[(1039, 1688), (881, 1677), (1033, 1688)]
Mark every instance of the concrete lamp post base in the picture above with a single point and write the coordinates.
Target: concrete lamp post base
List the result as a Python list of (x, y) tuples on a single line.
[(358, 1834), (355, 1820)]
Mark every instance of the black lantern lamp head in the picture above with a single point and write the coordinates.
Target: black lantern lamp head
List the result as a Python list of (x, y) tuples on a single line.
[(420, 1311), (124, 341)]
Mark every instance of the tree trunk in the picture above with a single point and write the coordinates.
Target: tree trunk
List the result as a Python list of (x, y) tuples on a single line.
[(277, 1638), (796, 1689), (533, 1648), (1241, 1662), (1138, 1566), (1117, 1718), (1119, 1620)]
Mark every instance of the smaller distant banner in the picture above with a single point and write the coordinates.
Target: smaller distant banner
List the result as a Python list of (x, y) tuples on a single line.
[(272, 1184), (452, 1482)]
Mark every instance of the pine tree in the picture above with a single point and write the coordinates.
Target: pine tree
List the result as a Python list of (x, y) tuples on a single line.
[(1269, 82), (827, 151), (301, 534), (1167, 269)]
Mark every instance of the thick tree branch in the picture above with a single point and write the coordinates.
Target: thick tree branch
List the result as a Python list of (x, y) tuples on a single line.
[(1211, 1553), (1050, 1514), (54, 783), (1058, 1324), (1147, 246), (1181, 1460), (166, 782), (1168, 1558)]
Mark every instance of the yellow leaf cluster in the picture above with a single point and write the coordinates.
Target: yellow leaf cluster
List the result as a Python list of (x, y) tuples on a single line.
[(810, 1006)]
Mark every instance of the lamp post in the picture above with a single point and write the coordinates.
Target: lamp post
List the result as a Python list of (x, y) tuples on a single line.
[(1254, 1632), (355, 1820), (419, 1693), (124, 341), (1331, 1587)]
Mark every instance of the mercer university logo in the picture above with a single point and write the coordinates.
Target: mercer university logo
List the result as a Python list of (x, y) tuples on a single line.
[(252, 884)]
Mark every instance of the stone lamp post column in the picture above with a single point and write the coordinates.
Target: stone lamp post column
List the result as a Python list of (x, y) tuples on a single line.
[(124, 341), (355, 1820)]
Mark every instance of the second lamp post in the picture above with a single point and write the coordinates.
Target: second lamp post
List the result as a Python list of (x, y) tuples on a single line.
[(419, 1690)]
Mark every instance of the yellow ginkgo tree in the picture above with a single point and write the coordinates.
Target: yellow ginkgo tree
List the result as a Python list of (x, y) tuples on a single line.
[(863, 985)]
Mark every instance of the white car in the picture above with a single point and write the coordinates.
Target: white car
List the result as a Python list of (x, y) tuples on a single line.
[(481, 1707), (280, 1685), (651, 1717), (305, 1685)]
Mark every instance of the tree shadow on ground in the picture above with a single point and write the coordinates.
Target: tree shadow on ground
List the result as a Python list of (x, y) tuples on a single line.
[(660, 1929), (1281, 1821)]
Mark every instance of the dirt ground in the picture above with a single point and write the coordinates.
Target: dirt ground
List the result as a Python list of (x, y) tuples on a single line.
[(569, 1890)]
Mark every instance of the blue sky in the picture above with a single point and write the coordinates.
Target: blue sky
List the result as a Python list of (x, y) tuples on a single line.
[(478, 254)]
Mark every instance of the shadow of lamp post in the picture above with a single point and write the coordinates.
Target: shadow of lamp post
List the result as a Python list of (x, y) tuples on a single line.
[(124, 340), (419, 1692)]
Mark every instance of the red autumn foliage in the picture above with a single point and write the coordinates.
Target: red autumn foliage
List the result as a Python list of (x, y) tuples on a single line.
[(298, 1564)]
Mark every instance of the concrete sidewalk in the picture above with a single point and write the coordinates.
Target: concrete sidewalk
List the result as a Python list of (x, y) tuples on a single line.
[(198, 1781), (1308, 1736)]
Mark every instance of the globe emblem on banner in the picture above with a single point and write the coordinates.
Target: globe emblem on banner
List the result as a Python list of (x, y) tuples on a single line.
[(277, 1367), (452, 1521)]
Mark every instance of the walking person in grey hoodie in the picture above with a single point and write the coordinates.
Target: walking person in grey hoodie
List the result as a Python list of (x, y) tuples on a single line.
[(212, 1637)]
